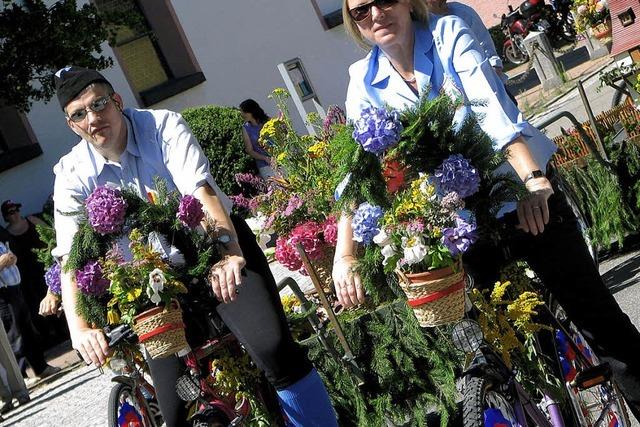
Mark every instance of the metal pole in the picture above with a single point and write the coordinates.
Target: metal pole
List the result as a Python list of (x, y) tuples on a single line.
[(592, 119), (348, 354)]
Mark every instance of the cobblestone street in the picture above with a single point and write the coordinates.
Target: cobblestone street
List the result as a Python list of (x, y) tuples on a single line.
[(78, 398)]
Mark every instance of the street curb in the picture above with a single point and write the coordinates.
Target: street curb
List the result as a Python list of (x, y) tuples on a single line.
[(559, 97)]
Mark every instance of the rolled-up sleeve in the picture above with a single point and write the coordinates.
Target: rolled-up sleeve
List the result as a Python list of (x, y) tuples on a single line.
[(67, 198), (498, 115), (185, 160)]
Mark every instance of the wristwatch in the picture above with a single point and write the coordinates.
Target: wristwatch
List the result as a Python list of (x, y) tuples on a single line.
[(225, 239), (534, 174)]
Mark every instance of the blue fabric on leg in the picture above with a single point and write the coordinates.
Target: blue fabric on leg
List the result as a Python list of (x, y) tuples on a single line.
[(306, 403)]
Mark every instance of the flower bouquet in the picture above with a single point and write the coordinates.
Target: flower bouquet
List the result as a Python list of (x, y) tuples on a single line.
[(593, 15), (420, 191), (296, 204), (132, 257)]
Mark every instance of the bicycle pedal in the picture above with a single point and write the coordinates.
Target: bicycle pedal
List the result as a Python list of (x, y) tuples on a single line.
[(592, 376)]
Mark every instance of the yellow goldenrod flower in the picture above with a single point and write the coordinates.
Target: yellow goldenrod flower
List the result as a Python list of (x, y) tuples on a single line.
[(498, 292), (318, 149)]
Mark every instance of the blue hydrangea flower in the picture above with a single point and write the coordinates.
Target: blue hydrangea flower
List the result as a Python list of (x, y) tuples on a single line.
[(457, 174), (458, 239), (365, 222), (52, 278), (377, 129)]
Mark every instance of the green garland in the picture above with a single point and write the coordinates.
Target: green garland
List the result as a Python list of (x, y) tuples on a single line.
[(409, 372), (429, 137), (157, 216)]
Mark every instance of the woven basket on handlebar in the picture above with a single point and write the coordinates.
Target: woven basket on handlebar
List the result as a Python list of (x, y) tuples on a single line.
[(436, 297), (161, 330), (324, 267)]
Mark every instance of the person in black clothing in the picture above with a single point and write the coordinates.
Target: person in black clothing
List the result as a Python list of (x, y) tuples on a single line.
[(25, 238)]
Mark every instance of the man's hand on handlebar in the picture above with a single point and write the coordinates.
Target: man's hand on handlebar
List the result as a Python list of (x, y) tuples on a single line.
[(92, 346)]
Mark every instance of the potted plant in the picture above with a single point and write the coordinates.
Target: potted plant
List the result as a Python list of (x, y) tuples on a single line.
[(296, 205)]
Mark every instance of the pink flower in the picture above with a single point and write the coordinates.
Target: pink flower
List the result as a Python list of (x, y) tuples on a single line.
[(308, 234), (287, 255), (294, 203), (330, 231), (190, 211)]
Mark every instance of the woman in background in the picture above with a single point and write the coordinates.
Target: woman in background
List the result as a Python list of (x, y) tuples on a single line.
[(255, 117)]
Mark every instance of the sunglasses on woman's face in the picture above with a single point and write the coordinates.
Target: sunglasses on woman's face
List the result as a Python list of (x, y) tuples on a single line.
[(362, 12)]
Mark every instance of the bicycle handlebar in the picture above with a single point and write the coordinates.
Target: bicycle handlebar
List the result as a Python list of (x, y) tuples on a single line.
[(119, 334)]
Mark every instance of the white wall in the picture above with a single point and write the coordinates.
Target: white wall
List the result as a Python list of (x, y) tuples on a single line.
[(238, 45)]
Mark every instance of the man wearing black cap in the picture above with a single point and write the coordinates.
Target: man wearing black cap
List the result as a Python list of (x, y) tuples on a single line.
[(132, 148)]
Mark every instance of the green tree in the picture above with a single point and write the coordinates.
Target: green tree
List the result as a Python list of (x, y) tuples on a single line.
[(37, 39)]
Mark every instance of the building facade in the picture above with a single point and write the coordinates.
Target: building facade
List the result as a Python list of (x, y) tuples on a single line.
[(189, 53)]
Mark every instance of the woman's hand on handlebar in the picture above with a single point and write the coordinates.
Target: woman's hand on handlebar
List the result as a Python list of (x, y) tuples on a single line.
[(347, 282), (533, 211), (92, 346), (225, 276)]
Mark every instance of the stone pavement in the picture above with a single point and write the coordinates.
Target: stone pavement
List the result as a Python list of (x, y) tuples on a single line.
[(533, 99)]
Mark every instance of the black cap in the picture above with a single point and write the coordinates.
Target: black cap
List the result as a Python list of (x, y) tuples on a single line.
[(7, 205), (72, 80)]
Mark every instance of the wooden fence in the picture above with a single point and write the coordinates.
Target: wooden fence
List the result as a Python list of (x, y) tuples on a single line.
[(571, 147)]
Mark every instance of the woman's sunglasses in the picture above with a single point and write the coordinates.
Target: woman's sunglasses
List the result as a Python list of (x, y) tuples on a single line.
[(362, 12)]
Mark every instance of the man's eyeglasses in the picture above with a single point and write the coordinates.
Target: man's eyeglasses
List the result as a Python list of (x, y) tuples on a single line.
[(96, 106), (362, 12)]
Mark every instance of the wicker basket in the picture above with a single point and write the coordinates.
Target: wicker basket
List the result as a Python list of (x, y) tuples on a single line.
[(324, 268), (161, 330), (436, 297)]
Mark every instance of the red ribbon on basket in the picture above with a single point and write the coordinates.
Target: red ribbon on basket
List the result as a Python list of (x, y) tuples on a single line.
[(160, 330), (436, 295)]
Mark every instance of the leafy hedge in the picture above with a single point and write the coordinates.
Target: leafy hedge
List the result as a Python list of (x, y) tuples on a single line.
[(218, 129)]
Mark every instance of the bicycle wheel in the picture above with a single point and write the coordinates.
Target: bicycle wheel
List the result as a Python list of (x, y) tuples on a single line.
[(126, 409), (485, 405), (600, 405)]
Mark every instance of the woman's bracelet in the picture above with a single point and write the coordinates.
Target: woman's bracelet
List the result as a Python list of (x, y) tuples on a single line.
[(335, 261)]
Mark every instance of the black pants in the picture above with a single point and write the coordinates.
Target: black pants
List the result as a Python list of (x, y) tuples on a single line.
[(25, 341), (562, 261), (257, 319)]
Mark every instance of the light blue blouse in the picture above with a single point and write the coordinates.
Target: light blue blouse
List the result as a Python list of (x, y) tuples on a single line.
[(448, 58), (474, 22), (159, 144)]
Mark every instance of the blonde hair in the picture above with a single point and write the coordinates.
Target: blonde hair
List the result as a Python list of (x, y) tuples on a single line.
[(419, 13)]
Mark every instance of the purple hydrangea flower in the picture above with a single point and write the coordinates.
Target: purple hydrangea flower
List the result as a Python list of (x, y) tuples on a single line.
[(459, 238), (90, 279), (365, 222), (457, 174), (106, 209), (190, 211), (52, 279), (377, 129)]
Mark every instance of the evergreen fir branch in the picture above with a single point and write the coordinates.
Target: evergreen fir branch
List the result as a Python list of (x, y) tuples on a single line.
[(91, 309), (47, 235), (87, 245)]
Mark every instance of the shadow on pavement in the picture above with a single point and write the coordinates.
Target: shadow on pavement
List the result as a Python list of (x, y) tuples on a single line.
[(29, 410), (622, 276), (568, 60)]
